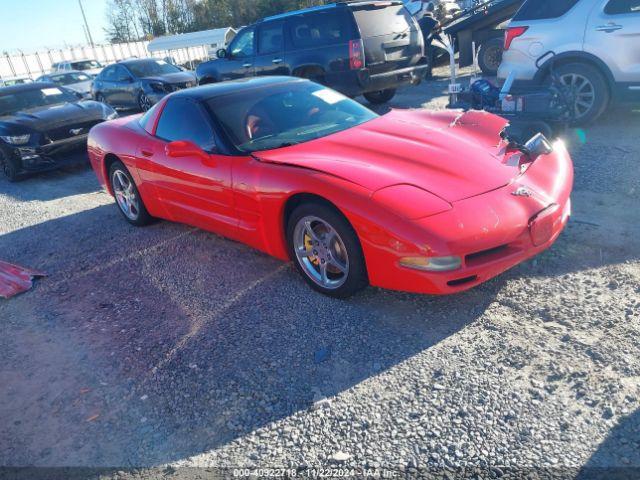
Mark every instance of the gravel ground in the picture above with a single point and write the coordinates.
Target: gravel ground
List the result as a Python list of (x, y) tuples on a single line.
[(169, 345)]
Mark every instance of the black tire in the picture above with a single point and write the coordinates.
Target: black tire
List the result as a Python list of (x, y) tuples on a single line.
[(100, 98), (356, 278), (599, 88), (144, 103), (490, 56), (10, 167), (143, 218), (381, 96)]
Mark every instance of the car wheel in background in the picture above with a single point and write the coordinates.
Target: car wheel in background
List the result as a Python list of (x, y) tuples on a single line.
[(144, 103), (127, 196), (326, 250), (588, 88), (380, 96), (490, 56), (9, 166)]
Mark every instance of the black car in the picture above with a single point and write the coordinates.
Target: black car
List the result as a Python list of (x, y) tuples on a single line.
[(139, 83), (367, 47), (40, 123)]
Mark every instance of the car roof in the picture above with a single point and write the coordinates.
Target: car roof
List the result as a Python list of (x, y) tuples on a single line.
[(356, 3), (212, 90), (25, 87)]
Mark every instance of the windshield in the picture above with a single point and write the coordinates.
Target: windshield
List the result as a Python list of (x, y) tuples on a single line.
[(14, 102), (70, 78), (284, 115), (151, 68), (85, 65)]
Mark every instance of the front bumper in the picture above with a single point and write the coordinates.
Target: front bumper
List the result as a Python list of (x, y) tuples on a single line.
[(491, 232), (52, 155)]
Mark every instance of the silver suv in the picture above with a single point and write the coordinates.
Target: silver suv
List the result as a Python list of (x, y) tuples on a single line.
[(597, 46)]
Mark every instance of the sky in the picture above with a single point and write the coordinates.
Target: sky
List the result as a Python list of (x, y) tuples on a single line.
[(31, 25)]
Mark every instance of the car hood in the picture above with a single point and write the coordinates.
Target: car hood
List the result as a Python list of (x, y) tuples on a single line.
[(178, 77), (82, 87), (451, 154), (53, 116)]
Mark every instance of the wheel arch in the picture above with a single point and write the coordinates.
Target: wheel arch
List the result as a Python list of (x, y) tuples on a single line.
[(300, 198), (109, 159), (576, 57)]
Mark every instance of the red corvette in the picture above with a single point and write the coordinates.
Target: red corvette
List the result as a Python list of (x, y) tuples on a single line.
[(430, 202)]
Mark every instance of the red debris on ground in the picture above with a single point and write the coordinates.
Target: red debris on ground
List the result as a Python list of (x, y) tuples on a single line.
[(15, 279)]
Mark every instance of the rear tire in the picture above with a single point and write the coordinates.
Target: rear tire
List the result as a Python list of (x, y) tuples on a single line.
[(127, 196), (340, 258), (100, 98), (590, 88), (490, 56), (381, 96)]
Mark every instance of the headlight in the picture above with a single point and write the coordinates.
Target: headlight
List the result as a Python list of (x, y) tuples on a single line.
[(17, 139), (112, 115), (431, 264), (158, 87)]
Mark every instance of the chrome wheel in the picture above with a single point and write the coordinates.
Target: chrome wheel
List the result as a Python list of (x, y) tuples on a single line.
[(321, 252), (125, 194), (583, 92), (144, 102)]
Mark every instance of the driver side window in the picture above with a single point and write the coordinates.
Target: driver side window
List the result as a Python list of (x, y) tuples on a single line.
[(184, 120), (242, 45)]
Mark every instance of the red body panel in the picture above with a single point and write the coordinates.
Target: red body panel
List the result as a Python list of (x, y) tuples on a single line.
[(410, 182)]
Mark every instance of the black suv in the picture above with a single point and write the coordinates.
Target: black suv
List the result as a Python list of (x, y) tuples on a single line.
[(364, 47)]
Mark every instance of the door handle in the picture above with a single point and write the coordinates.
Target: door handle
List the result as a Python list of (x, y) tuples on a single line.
[(276, 61), (246, 65), (146, 153), (608, 28)]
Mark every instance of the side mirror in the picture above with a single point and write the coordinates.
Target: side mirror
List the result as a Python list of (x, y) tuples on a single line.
[(222, 53), (185, 148)]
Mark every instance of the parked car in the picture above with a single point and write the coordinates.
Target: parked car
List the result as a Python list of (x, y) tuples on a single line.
[(40, 123), (367, 47), (11, 81), (77, 81), (139, 83), (88, 66), (597, 45), (429, 202)]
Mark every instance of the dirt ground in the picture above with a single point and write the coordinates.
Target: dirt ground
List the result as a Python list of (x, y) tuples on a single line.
[(168, 345)]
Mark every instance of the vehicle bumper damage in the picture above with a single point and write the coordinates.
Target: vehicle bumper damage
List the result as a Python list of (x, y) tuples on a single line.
[(50, 156), (15, 279), (486, 234)]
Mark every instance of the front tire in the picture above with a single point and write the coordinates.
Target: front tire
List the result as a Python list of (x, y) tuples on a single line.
[(381, 96), (10, 167), (326, 251), (127, 196), (144, 103)]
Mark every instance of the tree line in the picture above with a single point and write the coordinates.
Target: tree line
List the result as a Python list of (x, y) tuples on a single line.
[(131, 20)]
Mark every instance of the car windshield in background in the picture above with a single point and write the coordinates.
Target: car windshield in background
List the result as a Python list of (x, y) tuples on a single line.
[(285, 115), (70, 78), (378, 19), (11, 103), (151, 68), (86, 65)]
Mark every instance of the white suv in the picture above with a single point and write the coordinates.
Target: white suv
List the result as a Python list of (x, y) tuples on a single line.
[(597, 46)]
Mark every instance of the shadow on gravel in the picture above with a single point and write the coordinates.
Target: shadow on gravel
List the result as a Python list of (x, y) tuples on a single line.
[(621, 448), (74, 178), (177, 342)]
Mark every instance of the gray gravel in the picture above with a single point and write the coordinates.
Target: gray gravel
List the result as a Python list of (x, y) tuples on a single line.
[(169, 345)]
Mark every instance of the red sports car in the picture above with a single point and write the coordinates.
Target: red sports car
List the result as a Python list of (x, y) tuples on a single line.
[(414, 200)]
